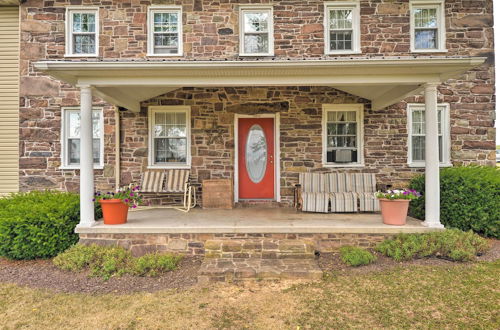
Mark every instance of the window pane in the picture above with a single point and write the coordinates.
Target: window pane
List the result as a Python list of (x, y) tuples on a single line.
[(96, 150), (341, 19), (341, 40), (166, 22), (96, 124), (170, 150), (74, 151), (425, 17), (83, 44), (426, 39), (83, 22), (73, 124), (256, 22), (256, 43), (418, 148)]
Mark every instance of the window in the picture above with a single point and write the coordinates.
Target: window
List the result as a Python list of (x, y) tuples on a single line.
[(165, 31), (82, 31), (416, 134), (342, 135), (169, 131), (342, 30), (256, 31), (427, 26), (70, 152)]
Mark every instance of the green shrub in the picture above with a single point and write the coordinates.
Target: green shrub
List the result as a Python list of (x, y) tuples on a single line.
[(452, 244), (470, 199), (38, 224), (106, 262), (154, 264), (355, 256)]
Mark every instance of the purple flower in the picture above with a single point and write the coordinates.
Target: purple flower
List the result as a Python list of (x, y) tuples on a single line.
[(98, 194), (126, 200), (93, 199), (134, 206), (131, 194)]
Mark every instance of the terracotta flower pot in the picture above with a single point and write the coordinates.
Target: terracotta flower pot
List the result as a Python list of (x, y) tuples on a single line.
[(394, 212), (114, 211)]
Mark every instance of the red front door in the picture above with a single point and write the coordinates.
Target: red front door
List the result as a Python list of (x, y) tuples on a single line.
[(256, 158)]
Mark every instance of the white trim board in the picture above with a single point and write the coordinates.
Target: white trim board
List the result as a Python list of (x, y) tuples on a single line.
[(277, 159), (179, 108)]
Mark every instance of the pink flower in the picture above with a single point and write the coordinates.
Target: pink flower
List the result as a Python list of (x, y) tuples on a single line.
[(126, 200), (134, 206)]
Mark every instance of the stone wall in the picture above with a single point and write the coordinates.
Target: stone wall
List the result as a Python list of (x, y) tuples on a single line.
[(194, 244), (211, 32)]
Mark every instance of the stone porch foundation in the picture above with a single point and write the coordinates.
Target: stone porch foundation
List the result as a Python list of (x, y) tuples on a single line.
[(196, 244)]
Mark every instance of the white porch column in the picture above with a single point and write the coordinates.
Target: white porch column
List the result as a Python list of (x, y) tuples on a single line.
[(86, 158), (432, 199)]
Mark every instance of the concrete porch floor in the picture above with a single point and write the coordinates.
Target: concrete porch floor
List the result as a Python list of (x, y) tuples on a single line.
[(251, 220)]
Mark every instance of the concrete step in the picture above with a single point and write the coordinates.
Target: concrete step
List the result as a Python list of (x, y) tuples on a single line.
[(247, 269), (262, 248)]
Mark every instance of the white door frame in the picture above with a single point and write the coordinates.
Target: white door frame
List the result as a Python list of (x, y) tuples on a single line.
[(277, 161)]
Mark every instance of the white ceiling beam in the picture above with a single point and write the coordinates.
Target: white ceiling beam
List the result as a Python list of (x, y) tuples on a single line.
[(118, 99), (395, 95)]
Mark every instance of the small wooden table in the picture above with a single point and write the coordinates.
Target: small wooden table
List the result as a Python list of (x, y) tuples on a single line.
[(217, 194)]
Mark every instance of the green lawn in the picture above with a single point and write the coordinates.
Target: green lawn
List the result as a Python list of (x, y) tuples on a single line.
[(461, 296)]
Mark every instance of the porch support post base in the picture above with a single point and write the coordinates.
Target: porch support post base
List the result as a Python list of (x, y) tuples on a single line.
[(432, 186), (86, 159)]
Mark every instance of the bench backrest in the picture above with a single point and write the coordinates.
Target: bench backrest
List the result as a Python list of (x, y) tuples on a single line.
[(313, 182), (364, 182), (337, 182), (164, 181)]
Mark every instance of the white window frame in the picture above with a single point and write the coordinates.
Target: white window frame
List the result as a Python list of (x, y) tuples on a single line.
[(253, 8), (69, 29), (359, 108), (64, 140), (356, 26), (441, 34), (445, 133), (151, 115), (150, 21)]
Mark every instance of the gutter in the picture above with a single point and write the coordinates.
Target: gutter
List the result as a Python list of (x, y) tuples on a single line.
[(345, 62)]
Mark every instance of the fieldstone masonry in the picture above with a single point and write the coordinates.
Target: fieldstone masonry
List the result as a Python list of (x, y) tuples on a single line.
[(211, 32), (266, 246)]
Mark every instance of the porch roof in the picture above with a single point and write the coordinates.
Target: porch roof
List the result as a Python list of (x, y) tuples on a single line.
[(382, 80)]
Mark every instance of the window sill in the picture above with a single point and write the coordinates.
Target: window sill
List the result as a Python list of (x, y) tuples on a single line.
[(96, 167), (419, 51), (349, 52), (81, 55), (255, 55), (343, 165), (169, 167), (422, 165), (165, 55)]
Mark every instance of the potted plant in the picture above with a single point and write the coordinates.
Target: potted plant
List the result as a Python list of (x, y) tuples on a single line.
[(394, 205), (115, 205)]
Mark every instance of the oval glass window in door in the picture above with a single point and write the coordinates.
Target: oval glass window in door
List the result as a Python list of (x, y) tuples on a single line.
[(256, 153)]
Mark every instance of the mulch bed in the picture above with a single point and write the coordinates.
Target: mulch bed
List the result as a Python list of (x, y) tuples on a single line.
[(330, 262), (43, 274)]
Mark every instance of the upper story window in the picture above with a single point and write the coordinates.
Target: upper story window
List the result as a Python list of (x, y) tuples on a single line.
[(427, 26), (170, 137), (165, 31), (416, 134), (82, 31), (342, 28), (256, 31), (342, 135), (70, 150)]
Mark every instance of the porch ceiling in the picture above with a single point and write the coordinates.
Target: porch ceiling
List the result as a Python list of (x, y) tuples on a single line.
[(384, 81)]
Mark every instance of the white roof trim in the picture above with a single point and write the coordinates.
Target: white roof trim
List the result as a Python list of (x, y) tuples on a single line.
[(399, 77)]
